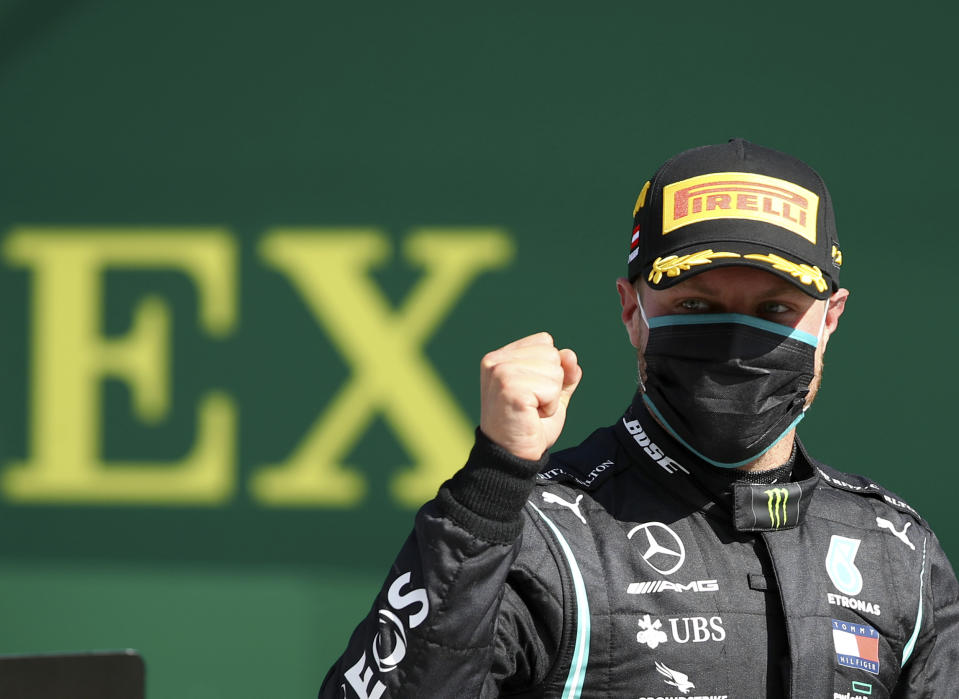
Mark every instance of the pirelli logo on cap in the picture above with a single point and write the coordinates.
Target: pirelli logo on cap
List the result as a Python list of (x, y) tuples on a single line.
[(740, 195)]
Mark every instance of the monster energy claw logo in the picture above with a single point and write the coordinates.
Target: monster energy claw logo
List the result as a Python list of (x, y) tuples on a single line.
[(777, 499)]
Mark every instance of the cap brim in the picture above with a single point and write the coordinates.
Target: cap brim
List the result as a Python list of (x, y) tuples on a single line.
[(683, 263)]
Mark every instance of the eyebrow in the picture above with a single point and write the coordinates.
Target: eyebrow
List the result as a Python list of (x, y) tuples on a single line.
[(778, 288)]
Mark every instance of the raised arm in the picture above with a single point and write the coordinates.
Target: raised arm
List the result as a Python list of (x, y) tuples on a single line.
[(448, 621)]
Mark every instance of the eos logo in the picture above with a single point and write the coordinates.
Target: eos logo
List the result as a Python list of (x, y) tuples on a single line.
[(663, 550), (389, 644)]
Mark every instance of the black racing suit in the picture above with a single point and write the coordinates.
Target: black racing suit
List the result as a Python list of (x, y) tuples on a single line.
[(628, 569)]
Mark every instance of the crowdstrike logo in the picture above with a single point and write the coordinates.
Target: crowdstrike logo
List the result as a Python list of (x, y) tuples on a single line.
[(675, 678), (680, 681)]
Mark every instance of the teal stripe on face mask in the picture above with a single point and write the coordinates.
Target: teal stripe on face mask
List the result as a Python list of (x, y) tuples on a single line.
[(710, 318), (714, 462)]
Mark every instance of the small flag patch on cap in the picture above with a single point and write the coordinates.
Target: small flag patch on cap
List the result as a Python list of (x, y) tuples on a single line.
[(634, 244)]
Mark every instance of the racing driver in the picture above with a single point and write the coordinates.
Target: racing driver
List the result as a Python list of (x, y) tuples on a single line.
[(693, 548)]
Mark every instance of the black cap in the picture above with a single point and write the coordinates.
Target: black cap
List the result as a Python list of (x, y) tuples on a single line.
[(736, 204)]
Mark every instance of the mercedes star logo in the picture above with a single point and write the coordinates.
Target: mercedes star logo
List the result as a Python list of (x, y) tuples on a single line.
[(664, 552)]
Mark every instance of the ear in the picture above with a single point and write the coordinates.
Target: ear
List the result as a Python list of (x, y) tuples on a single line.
[(836, 305), (630, 312)]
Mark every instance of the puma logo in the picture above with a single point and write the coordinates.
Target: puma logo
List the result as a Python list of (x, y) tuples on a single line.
[(886, 524), (572, 506)]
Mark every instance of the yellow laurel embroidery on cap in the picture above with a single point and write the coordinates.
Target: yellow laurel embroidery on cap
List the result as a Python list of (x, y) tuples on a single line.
[(805, 273), (837, 256), (672, 266), (641, 199)]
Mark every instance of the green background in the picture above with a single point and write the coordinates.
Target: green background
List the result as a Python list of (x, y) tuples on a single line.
[(543, 119)]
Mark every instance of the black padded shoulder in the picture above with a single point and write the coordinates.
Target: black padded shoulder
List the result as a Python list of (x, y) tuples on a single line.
[(853, 483)]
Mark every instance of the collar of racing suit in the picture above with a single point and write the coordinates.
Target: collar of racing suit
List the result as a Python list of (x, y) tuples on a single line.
[(755, 507)]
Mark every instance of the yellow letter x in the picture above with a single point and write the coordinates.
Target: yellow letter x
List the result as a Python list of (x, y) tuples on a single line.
[(391, 376)]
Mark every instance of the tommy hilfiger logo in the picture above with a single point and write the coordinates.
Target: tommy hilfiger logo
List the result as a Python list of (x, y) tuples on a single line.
[(741, 195), (857, 645)]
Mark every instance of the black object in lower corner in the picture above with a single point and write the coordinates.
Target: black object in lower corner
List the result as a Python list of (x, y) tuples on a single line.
[(90, 675)]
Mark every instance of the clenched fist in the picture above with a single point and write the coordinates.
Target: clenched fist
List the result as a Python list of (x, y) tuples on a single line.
[(524, 390)]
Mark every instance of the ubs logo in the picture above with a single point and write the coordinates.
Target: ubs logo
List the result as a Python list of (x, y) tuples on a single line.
[(661, 547), (689, 629)]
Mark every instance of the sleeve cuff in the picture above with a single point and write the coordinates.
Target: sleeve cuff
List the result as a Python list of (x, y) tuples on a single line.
[(486, 496)]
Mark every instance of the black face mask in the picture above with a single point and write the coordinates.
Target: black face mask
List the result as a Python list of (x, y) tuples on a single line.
[(728, 386)]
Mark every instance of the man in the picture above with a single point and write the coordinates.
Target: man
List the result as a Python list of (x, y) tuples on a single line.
[(693, 548)]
